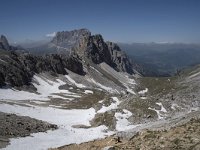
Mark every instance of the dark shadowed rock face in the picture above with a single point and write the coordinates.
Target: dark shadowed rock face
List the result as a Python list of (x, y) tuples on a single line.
[(97, 50), (4, 43), (18, 69), (119, 59)]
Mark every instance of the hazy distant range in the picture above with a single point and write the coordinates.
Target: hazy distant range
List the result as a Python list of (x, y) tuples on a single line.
[(163, 59)]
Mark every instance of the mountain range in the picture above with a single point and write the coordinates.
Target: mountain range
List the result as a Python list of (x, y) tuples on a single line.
[(70, 50), (162, 59), (77, 88)]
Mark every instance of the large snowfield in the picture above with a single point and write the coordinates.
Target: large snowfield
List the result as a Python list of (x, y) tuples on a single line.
[(65, 119), (65, 134)]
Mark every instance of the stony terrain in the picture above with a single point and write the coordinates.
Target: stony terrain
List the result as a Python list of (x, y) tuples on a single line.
[(13, 126), (177, 125), (184, 137)]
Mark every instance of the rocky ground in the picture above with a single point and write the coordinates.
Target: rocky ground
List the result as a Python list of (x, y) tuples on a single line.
[(13, 126), (185, 137)]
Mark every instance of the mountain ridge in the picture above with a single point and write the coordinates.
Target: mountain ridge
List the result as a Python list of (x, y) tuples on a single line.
[(18, 67)]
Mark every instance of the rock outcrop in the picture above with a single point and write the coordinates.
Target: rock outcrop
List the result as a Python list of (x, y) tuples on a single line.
[(119, 59), (18, 69), (4, 43), (93, 48)]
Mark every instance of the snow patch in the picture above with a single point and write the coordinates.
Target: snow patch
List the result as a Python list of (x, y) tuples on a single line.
[(162, 107), (65, 134), (13, 94), (159, 112), (88, 92), (114, 105), (48, 88), (143, 91), (122, 122), (143, 97)]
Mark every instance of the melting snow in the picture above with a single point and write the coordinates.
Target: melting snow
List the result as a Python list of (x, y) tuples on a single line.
[(88, 92), (130, 90), (143, 97), (46, 89), (110, 107), (143, 91), (160, 116), (12, 94), (65, 119), (162, 108), (122, 122)]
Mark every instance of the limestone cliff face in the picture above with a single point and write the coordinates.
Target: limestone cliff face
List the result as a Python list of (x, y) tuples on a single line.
[(94, 48), (119, 59), (67, 40)]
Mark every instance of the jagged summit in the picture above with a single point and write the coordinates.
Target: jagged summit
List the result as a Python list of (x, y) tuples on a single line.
[(4, 43), (93, 48), (68, 39)]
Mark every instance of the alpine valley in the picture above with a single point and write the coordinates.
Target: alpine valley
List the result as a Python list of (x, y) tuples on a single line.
[(78, 91)]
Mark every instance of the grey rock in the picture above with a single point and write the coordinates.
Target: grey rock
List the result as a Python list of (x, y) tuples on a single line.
[(17, 69), (20, 126), (70, 39), (120, 61), (4, 43)]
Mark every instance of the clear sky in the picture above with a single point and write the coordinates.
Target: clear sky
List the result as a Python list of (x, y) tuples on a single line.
[(117, 20)]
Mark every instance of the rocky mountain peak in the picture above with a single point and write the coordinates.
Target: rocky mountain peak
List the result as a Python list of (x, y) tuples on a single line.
[(92, 48), (69, 39), (4, 43)]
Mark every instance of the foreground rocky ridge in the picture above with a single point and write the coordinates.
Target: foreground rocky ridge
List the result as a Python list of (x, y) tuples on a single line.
[(184, 137)]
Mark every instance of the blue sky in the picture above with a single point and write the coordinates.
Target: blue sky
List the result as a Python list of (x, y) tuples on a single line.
[(117, 20)]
